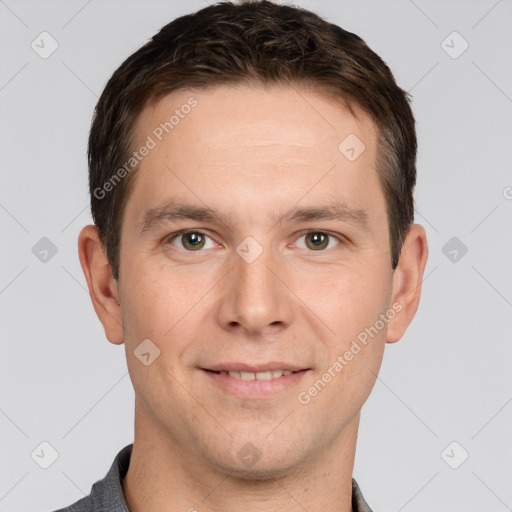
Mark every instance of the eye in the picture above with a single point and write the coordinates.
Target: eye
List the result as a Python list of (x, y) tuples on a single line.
[(190, 240), (317, 240)]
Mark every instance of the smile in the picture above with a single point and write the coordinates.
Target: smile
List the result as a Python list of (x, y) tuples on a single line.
[(268, 375), (261, 383)]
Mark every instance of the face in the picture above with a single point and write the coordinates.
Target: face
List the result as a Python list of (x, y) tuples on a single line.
[(252, 243)]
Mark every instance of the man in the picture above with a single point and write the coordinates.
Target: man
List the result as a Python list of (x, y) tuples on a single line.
[(251, 174)]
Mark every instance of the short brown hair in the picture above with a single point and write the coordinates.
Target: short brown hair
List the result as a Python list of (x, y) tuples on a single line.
[(253, 42)]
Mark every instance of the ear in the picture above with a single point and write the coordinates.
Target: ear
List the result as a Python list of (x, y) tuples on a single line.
[(102, 285), (407, 279)]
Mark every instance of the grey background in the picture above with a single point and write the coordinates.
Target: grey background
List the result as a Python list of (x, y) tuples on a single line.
[(447, 380)]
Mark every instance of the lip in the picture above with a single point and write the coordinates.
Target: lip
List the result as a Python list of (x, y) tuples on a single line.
[(254, 368), (254, 389)]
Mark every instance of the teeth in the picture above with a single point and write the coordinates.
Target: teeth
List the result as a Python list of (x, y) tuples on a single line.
[(274, 374)]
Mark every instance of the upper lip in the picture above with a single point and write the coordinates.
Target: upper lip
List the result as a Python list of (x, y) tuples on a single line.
[(254, 368)]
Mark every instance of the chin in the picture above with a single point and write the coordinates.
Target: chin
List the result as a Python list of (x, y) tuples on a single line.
[(261, 471), (248, 462), (261, 475)]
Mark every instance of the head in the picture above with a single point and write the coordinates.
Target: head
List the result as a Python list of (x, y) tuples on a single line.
[(285, 148)]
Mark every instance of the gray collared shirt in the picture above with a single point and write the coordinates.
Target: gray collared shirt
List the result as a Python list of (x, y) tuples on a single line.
[(107, 495)]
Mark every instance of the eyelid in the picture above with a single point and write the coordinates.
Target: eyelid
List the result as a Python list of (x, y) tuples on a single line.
[(173, 236), (168, 239), (338, 237)]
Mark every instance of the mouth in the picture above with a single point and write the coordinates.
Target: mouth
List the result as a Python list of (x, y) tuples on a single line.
[(255, 381), (265, 375)]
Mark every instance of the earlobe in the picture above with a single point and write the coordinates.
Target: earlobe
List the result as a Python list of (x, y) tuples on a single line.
[(407, 280), (103, 288)]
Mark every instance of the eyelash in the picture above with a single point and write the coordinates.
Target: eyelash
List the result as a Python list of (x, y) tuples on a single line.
[(169, 239)]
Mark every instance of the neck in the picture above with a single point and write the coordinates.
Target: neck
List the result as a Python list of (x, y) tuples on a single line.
[(166, 477)]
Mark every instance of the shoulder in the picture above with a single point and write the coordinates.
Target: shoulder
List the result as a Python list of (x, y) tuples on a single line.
[(358, 502), (106, 494), (84, 505)]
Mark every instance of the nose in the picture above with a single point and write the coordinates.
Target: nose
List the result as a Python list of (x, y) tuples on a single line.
[(256, 299)]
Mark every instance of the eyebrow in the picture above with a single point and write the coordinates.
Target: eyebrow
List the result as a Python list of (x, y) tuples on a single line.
[(172, 211)]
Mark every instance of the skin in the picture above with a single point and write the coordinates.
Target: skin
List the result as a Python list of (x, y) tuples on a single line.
[(252, 155)]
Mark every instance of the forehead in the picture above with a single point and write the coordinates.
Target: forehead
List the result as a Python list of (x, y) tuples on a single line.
[(242, 139), (224, 114)]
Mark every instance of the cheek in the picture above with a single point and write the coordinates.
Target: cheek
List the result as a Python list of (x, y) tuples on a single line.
[(363, 325), (354, 333), (163, 304), (150, 305), (347, 299), (354, 354)]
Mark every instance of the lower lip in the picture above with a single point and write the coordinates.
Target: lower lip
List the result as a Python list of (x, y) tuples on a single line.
[(254, 389)]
